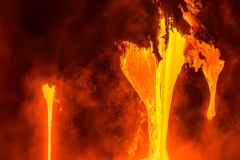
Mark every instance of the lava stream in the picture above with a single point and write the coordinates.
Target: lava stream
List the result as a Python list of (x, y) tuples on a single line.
[(154, 82), (200, 54), (49, 96)]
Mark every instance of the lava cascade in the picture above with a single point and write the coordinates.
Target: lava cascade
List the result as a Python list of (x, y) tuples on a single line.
[(154, 80), (49, 96)]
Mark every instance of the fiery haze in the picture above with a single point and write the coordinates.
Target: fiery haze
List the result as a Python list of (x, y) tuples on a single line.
[(97, 114)]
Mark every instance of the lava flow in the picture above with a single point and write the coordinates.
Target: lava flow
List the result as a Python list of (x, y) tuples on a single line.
[(199, 54), (154, 80), (206, 56), (49, 96)]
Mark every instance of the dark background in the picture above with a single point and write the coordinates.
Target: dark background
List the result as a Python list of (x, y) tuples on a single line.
[(70, 44)]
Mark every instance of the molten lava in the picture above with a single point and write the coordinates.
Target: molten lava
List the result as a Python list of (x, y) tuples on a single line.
[(49, 96), (199, 54), (154, 81)]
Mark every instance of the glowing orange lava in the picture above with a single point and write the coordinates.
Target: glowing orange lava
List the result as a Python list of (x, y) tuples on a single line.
[(154, 82), (200, 54), (210, 63), (49, 96)]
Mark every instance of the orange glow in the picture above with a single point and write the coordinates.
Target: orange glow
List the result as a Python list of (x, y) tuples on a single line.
[(154, 82), (49, 96), (201, 54), (211, 64)]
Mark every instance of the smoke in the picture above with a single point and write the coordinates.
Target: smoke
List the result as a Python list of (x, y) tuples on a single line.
[(70, 44), (97, 114)]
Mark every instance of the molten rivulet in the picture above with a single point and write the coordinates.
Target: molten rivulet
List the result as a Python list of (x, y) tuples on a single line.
[(49, 96)]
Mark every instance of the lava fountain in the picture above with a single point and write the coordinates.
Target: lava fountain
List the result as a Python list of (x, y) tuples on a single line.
[(49, 96), (154, 80)]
